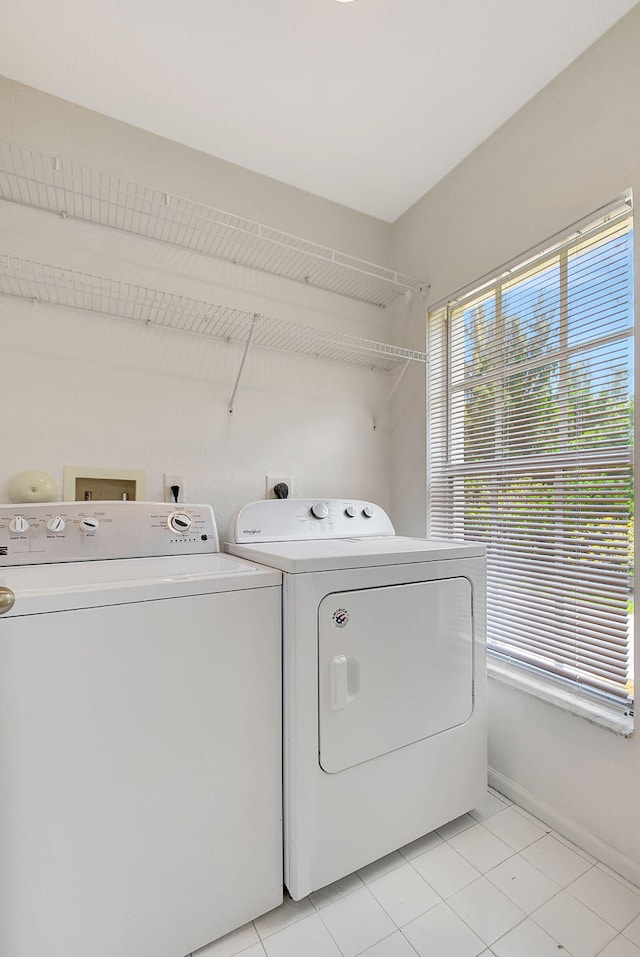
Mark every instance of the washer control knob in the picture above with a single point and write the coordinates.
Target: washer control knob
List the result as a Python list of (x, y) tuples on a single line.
[(89, 523), (56, 524), (351, 511), (319, 510), (19, 524), (368, 511), (180, 522)]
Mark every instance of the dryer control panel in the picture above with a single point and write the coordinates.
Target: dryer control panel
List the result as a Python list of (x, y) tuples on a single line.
[(48, 532), (308, 519)]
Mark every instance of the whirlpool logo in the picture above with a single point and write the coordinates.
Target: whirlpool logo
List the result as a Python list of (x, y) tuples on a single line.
[(340, 617), (251, 531)]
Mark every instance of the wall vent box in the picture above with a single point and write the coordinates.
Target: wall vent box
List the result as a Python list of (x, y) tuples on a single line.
[(83, 484)]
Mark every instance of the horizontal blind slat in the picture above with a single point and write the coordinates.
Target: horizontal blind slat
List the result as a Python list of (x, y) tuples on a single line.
[(530, 450)]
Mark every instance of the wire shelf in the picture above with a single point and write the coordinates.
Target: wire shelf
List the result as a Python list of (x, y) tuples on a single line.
[(59, 286), (60, 186)]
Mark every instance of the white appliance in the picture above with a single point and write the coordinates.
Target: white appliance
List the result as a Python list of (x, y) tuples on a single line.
[(140, 732), (384, 680)]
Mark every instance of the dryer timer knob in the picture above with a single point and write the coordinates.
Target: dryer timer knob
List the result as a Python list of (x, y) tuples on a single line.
[(319, 510), (19, 524), (351, 511), (368, 511)]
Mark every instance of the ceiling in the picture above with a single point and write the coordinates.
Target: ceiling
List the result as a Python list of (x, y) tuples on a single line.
[(368, 103)]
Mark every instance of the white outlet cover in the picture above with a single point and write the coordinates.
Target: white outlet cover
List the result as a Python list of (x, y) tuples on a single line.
[(173, 479)]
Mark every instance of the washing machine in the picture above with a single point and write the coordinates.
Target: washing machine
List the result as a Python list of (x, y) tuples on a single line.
[(384, 680), (140, 732)]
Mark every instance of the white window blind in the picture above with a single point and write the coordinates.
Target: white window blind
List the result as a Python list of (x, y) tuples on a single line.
[(530, 403)]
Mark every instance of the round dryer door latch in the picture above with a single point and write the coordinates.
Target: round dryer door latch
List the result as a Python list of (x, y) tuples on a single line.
[(319, 510)]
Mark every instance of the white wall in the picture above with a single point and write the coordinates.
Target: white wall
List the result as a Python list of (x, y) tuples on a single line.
[(570, 150), (79, 389), (82, 390)]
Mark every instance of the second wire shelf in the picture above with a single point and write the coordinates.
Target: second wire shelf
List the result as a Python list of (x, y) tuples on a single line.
[(38, 282)]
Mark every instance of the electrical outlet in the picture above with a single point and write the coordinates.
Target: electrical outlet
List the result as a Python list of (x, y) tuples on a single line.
[(169, 480), (273, 480)]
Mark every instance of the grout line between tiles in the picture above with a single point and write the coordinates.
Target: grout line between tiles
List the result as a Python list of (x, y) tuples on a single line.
[(617, 877), (526, 916), (407, 940), (588, 859), (328, 930), (595, 866), (528, 816), (318, 907), (363, 953)]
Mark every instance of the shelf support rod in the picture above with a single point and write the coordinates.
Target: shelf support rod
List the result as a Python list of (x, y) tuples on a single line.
[(247, 346), (386, 402)]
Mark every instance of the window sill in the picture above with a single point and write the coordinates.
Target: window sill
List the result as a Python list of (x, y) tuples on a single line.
[(591, 711)]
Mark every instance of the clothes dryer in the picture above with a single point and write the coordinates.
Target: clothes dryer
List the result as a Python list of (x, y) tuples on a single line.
[(384, 680)]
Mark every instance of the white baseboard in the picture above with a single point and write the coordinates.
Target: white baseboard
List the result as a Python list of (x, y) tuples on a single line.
[(565, 826)]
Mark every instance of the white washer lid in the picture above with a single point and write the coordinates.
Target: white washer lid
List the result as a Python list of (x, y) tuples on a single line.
[(70, 585), (330, 554)]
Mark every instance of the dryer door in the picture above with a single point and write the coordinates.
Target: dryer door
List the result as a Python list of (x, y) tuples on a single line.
[(395, 665)]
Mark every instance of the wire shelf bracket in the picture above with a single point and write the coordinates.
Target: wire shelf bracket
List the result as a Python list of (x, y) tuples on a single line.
[(388, 399), (54, 285), (244, 359)]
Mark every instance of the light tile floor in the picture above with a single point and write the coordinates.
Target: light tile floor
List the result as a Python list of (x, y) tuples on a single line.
[(493, 883)]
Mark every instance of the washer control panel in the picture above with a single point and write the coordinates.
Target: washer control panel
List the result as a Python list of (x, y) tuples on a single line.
[(48, 532), (301, 519)]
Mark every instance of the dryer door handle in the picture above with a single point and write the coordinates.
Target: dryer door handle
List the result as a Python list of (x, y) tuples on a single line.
[(344, 681), (338, 683)]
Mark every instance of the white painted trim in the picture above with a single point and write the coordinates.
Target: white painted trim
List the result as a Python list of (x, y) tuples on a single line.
[(566, 826), (578, 703)]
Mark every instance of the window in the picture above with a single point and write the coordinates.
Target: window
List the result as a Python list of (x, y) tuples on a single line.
[(530, 396)]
